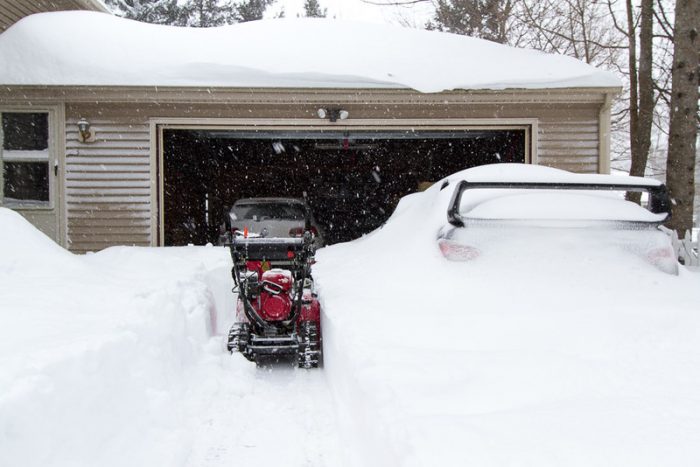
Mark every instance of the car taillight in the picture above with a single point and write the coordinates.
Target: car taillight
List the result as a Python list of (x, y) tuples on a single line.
[(660, 253), (456, 252), (663, 258)]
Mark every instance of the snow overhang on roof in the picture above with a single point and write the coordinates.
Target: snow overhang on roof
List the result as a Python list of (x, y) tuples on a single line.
[(87, 48)]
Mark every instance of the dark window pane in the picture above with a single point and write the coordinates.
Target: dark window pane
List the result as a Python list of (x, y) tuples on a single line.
[(26, 181), (286, 211), (25, 131)]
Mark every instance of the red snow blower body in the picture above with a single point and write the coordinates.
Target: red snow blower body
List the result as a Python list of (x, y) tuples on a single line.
[(277, 313)]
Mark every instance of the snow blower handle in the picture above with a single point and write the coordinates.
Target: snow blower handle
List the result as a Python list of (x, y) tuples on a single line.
[(241, 287), (305, 259)]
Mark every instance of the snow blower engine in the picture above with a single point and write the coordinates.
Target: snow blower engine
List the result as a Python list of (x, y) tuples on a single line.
[(278, 313)]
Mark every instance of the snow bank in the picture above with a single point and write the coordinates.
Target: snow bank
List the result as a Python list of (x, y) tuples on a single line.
[(534, 355), (95, 351), (88, 48), (44, 253)]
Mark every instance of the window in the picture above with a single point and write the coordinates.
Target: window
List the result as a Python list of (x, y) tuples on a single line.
[(279, 210), (25, 158)]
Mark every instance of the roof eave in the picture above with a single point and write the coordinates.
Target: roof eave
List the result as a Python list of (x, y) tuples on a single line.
[(212, 94)]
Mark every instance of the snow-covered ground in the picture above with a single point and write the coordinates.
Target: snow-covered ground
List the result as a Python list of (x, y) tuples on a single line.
[(528, 355), (118, 358)]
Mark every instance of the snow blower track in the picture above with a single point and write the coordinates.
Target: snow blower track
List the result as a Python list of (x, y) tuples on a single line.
[(270, 415)]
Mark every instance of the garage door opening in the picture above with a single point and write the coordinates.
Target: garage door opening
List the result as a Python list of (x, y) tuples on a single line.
[(351, 179)]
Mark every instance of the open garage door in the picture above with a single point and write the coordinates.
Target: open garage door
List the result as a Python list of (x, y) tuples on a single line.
[(351, 179)]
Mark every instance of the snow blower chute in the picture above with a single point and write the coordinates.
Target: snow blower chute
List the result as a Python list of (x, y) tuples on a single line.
[(278, 313)]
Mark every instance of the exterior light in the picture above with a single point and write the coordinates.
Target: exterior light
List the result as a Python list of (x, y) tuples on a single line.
[(84, 130), (333, 114)]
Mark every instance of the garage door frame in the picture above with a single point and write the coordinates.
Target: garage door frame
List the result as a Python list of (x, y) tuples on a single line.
[(158, 125)]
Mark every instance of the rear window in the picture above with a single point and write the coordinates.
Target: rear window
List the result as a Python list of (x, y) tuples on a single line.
[(262, 211)]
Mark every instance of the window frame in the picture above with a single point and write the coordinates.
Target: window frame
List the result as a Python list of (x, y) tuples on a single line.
[(48, 155)]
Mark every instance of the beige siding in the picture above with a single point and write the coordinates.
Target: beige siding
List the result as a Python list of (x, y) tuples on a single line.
[(569, 145), (107, 186), (12, 11)]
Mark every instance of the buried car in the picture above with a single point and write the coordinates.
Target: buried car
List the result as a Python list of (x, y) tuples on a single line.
[(552, 342), (271, 218), (564, 209)]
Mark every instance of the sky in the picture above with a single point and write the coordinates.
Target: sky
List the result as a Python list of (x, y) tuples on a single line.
[(357, 10)]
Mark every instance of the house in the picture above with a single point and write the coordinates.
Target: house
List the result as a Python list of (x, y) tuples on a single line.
[(124, 133)]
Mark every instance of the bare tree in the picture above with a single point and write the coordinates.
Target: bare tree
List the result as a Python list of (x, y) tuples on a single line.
[(632, 39), (683, 128), (641, 88), (578, 28)]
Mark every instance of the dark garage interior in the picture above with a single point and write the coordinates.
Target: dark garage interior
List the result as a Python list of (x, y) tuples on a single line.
[(351, 179)]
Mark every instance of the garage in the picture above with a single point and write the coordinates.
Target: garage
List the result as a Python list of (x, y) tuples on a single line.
[(352, 178), (151, 145)]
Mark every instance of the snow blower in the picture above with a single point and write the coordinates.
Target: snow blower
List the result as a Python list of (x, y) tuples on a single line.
[(278, 313)]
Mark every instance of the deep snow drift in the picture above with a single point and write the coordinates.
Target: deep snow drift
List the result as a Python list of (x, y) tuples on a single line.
[(534, 354), (87, 48), (112, 359)]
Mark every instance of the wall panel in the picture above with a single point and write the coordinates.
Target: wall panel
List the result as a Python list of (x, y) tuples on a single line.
[(108, 185)]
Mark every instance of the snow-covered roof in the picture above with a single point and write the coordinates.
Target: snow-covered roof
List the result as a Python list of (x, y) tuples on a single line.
[(89, 48)]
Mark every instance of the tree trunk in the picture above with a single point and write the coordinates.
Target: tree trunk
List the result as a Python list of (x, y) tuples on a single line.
[(642, 110), (683, 128)]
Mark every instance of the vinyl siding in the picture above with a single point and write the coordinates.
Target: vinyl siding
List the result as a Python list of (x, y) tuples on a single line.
[(108, 185), (569, 145)]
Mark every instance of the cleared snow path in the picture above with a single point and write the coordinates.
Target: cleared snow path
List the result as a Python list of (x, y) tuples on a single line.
[(235, 413), (261, 416)]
